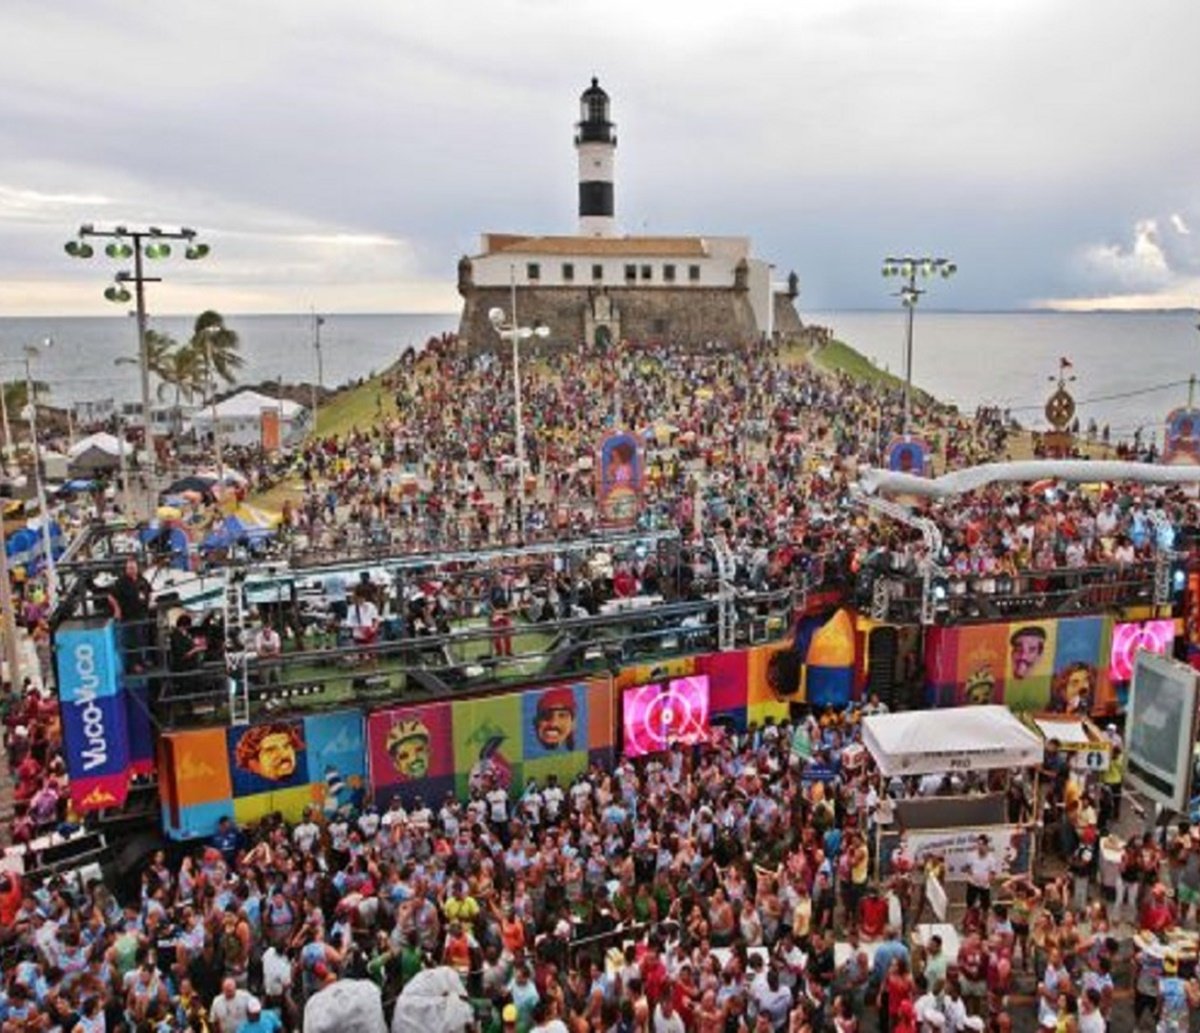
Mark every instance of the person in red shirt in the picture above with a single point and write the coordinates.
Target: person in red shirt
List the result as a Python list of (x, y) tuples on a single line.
[(1158, 915), (899, 985)]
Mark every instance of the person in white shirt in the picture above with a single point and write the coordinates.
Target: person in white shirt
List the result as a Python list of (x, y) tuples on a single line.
[(363, 619), (983, 868), (230, 1007), (306, 834), (269, 648), (666, 1018), (552, 798), (497, 801)]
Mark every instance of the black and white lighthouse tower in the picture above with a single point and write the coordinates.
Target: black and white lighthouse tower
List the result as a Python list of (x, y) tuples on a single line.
[(596, 143)]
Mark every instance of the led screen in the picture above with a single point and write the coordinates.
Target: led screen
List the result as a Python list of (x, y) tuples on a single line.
[(1162, 718), (655, 716), (1152, 636)]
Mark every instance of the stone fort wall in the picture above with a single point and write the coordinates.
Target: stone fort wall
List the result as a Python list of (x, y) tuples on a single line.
[(690, 315)]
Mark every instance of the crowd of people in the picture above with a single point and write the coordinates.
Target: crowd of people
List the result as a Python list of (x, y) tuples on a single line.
[(727, 888)]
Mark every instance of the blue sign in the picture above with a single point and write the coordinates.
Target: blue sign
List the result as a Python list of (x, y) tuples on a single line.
[(93, 708)]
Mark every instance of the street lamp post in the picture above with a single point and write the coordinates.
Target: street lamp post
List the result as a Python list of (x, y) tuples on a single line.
[(31, 352), (125, 243), (318, 322), (909, 268), (514, 332)]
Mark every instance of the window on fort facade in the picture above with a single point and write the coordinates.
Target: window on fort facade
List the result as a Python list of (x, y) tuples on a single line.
[(533, 271), (647, 272), (668, 274), (631, 273), (694, 273), (597, 273), (568, 272)]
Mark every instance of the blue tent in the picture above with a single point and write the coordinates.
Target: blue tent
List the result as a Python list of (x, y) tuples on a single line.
[(176, 540), (234, 531)]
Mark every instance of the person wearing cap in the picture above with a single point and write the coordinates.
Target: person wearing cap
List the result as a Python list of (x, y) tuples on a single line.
[(1177, 998), (259, 1020), (1158, 915), (508, 1016)]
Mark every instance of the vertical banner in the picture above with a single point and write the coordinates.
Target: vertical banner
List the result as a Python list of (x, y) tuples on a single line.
[(619, 479), (269, 428), (141, 734), (908, 455), (488, 743), (93, 709), (1181, 439)]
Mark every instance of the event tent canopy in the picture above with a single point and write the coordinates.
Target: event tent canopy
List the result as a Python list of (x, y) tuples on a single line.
[(921, 742)]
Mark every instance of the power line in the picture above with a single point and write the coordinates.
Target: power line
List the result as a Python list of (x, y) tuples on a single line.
[(1110, 397)]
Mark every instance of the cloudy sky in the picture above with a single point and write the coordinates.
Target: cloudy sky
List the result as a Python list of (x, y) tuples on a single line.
[(344, 155)]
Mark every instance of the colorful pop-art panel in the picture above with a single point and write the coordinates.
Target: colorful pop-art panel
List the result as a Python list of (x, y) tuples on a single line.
[(488, 742), (555, 720), (410, 745), (267, 757), (1154, 636), (829, 659), (772, 680), (291, 803), (1058, 665), (658, 715), (199, 766), (337, 757)]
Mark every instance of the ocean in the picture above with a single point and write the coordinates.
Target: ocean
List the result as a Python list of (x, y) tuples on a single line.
[(1122, 362)]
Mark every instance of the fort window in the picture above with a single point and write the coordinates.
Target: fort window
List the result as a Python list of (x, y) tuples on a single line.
[(631, 273), (533, 271), (597, 273), (568, 272), (647, 272), (694, 273), (668, 274)]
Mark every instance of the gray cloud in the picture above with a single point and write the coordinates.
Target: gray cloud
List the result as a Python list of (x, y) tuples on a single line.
[(346, 155)]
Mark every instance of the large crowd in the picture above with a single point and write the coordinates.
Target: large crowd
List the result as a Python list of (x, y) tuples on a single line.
[(725, 888)]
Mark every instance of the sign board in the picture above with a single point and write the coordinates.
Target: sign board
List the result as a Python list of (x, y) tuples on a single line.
[(1162, 729)]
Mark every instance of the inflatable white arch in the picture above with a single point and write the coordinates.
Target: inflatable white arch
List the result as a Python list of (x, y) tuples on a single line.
[(1076, 471)]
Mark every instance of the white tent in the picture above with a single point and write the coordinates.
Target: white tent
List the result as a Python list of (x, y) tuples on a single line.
[(921, 742), (102, 442)]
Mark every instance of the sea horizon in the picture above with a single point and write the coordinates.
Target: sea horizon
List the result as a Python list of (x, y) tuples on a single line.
[(94, 356)]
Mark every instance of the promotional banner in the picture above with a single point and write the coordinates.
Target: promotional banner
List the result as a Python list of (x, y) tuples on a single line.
[(1011, 845), (908, 455), (1154, 636), (619, 479), (269, 428), (1181, 438), (1057, 665), (94, 718)]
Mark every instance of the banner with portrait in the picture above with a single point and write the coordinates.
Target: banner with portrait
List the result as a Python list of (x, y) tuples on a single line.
[(619, 479), (1181, 438), (1011, 845), (1057, 665), (908, 455), (411, 753)]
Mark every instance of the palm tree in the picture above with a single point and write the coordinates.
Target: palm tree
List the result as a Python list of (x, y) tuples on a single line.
[(159, 347), (185, 373), (213, 338)]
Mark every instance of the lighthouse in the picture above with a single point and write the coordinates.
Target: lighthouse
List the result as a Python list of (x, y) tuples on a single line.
[(596, 144)]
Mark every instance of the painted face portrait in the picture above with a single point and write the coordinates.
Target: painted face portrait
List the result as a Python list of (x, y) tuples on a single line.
[(554, 722), (270, 751), (408, 747), (1027, 645), (276, 757)]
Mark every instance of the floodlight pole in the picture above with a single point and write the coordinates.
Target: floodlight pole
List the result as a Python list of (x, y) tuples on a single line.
[(138, 237), (910, 267)]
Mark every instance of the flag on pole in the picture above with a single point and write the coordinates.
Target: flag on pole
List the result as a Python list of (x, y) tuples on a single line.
[(1065, 363)]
